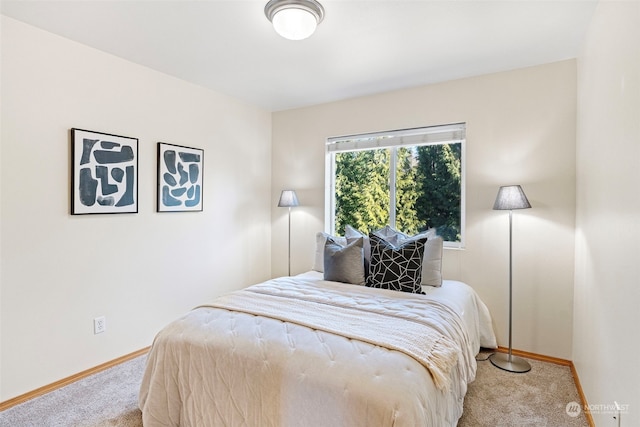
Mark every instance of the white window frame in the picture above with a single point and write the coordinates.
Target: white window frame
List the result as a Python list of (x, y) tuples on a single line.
[(431, 135)]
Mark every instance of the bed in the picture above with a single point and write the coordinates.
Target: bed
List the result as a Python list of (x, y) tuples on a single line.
[(304, 351)]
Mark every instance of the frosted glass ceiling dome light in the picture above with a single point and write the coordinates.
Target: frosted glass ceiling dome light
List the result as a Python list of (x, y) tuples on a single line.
[(294, 19), (294, 24)]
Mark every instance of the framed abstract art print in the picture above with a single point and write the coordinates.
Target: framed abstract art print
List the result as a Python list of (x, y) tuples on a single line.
[(180, 171), (104, 175)]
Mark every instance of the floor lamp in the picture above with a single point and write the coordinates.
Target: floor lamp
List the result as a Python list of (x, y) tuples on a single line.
[(288, 199), (509, 198)]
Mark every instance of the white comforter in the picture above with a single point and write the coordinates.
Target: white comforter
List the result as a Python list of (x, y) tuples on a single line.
[(217, 367)]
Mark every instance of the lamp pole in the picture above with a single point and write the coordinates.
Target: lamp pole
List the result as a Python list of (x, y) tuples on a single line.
[(510, 281), (509, 198), (288, 199), (289, 247)]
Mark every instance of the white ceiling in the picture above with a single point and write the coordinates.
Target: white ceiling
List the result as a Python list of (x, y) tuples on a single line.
[(361, 47)]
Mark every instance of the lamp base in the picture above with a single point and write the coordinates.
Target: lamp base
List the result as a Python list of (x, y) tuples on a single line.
[(511, 364)]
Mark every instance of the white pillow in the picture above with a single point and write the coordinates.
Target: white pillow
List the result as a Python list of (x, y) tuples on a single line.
[(432, 262), (391, 235), (321, 238)]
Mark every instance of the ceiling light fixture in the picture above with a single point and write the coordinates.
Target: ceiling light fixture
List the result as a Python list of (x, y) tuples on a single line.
[(294, 19)]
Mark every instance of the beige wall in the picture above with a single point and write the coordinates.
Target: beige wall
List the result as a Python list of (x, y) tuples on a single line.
[(520, 130), (1, 96), (607, 291), (161, 265)]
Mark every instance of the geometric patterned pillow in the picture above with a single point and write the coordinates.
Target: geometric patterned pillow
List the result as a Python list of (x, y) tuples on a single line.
[(396, 267), (432, 261)]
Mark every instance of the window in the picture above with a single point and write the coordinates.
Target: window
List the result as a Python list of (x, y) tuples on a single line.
[(410, 179)]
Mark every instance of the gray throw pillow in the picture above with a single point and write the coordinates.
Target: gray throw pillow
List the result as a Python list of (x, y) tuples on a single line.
[(351, 234), (344, 263), (321, 239)]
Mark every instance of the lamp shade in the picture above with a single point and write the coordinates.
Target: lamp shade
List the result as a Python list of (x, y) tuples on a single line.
[(294, 19), (288, 199), (511, 197)]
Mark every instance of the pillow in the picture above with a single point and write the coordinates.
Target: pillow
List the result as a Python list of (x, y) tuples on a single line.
[(344, 263), (390, 235), (432, 262), (397, 268), (321, 238), (432, 259), (352, 234)]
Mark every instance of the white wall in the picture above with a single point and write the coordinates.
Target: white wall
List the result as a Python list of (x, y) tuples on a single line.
[(607, 291), (1, 81), (165, 264), (520, 130)]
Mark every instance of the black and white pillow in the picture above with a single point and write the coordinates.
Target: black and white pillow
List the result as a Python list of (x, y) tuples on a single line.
[(396, 267), (432, 260)]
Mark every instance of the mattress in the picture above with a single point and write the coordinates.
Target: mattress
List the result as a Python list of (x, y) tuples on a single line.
[(218, 366)]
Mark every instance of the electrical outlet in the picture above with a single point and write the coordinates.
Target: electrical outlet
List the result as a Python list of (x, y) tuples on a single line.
[(99, 325)]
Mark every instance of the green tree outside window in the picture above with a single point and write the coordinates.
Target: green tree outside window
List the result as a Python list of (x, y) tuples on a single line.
[(428, 186)]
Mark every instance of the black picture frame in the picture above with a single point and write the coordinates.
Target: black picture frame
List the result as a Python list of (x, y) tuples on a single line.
[(104, 173), (180, 178)]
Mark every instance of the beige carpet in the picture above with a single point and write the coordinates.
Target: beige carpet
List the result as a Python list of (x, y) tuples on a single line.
[(108, 398), (537, 398), (496, 398)]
